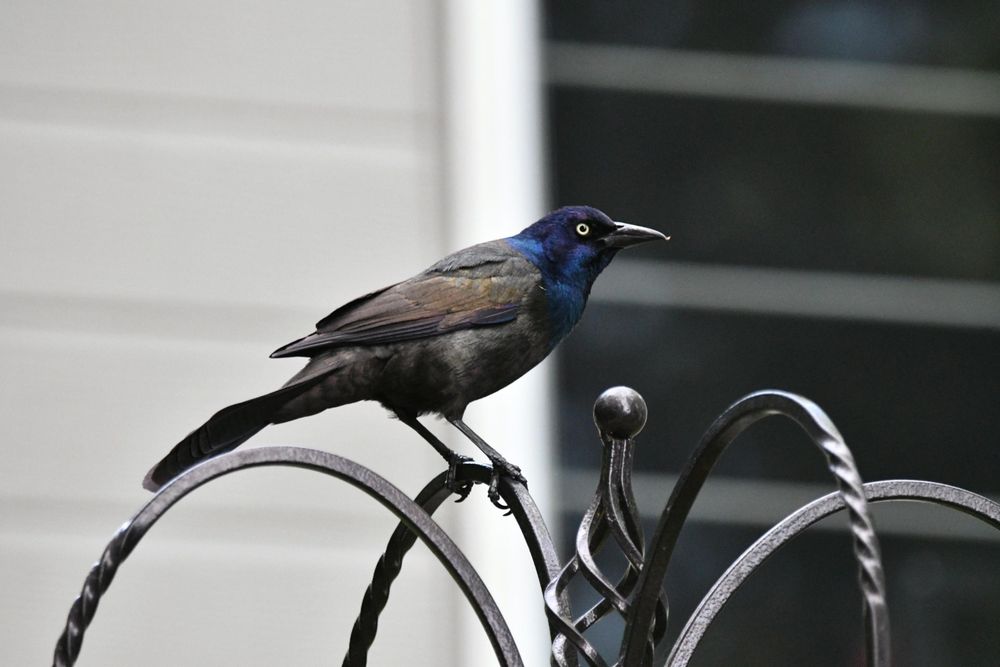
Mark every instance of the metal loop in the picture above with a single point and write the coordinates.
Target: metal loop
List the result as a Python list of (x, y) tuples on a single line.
[(417, 520), (794, 524), (533, 529), (636, 644)]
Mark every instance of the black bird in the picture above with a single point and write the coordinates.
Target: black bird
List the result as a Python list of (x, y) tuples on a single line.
[(466, 327)]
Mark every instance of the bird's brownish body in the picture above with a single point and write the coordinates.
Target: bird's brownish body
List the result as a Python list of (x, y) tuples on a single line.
[(455, 353)]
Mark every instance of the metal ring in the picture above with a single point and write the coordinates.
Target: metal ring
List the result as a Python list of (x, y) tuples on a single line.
[(736, 419), (121, 545), (952, 497)]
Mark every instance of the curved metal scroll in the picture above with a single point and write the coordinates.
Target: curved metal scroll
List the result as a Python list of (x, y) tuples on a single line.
[(529, 519), (952, 497), (637, 642), (417, 520)]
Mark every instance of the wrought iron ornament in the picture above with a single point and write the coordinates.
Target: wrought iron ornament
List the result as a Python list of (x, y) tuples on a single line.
[(416, 519), (636, 594), (740, 416), (620, 413)]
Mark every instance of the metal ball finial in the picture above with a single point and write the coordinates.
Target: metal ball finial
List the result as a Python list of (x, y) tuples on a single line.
[(620, 412)]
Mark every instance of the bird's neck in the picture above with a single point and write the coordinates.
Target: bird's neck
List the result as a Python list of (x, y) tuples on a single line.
[(565, 302), (566, 281)]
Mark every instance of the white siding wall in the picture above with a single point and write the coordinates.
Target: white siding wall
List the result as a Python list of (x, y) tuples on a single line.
[(185, 186)]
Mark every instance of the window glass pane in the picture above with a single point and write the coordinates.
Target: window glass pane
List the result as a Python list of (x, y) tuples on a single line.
[(788, 186), (938, 32), (911, 402), (805, 598)]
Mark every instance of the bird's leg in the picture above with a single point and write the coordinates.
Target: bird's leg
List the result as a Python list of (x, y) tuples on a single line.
[(501, 466), (453, 458), (498, 461)]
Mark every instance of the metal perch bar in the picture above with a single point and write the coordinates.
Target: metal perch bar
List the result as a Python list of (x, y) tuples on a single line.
[(521, 504), (128, 536), (636, 594)]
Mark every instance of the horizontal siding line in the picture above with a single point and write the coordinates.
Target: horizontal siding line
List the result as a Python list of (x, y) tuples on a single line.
[(83, 318), (775, 79), (44, 523), (397, 136), (742, 502), (920, 301), (196, 144)]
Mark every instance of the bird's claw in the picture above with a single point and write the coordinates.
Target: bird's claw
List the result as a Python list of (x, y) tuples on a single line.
[(461, 489), (493, 493), (502, 468)]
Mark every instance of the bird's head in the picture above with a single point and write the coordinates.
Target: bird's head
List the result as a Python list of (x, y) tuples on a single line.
[(575, 243)]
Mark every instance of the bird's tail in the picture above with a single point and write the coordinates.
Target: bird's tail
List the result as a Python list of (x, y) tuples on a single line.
[(227, 429)]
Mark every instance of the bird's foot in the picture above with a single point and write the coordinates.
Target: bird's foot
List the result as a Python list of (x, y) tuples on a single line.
[(503, 468), (461, 489)]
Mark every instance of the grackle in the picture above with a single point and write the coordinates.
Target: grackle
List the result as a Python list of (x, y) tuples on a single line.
[(466, 327)]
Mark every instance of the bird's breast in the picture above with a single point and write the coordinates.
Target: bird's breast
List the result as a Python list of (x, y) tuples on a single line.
[(564, 305)]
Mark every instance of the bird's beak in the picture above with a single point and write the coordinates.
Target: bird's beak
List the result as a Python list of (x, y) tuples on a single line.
[(627, 235)]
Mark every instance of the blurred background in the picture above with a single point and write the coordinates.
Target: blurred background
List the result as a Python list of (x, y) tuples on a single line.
[(830, 173), (184, 187)]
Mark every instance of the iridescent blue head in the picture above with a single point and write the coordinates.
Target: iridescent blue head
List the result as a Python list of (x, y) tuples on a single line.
[(571, 246), (574, 244)]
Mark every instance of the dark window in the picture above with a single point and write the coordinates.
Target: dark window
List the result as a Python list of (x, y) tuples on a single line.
[(829, 173)]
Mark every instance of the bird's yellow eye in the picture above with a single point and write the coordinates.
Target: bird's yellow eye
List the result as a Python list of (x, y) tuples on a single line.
[(583, 229)]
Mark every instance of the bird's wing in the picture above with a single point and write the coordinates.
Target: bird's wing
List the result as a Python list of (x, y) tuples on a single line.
[(482, 285)]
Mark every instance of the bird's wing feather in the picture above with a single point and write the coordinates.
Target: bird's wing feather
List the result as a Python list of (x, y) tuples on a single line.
[(480, 286), (323, 323)]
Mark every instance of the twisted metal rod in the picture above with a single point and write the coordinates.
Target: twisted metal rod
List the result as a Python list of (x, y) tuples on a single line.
[(620, 414), (637, 643), (417, 520), (570, 631), (529, 519), (607, 517), (794, 524), (387, 569)]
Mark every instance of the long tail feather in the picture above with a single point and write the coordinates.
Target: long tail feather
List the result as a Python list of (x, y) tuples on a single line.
[(226, 430)]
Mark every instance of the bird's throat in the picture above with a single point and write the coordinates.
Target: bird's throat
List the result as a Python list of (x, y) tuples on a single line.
[(565, 303), (566, 280)]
